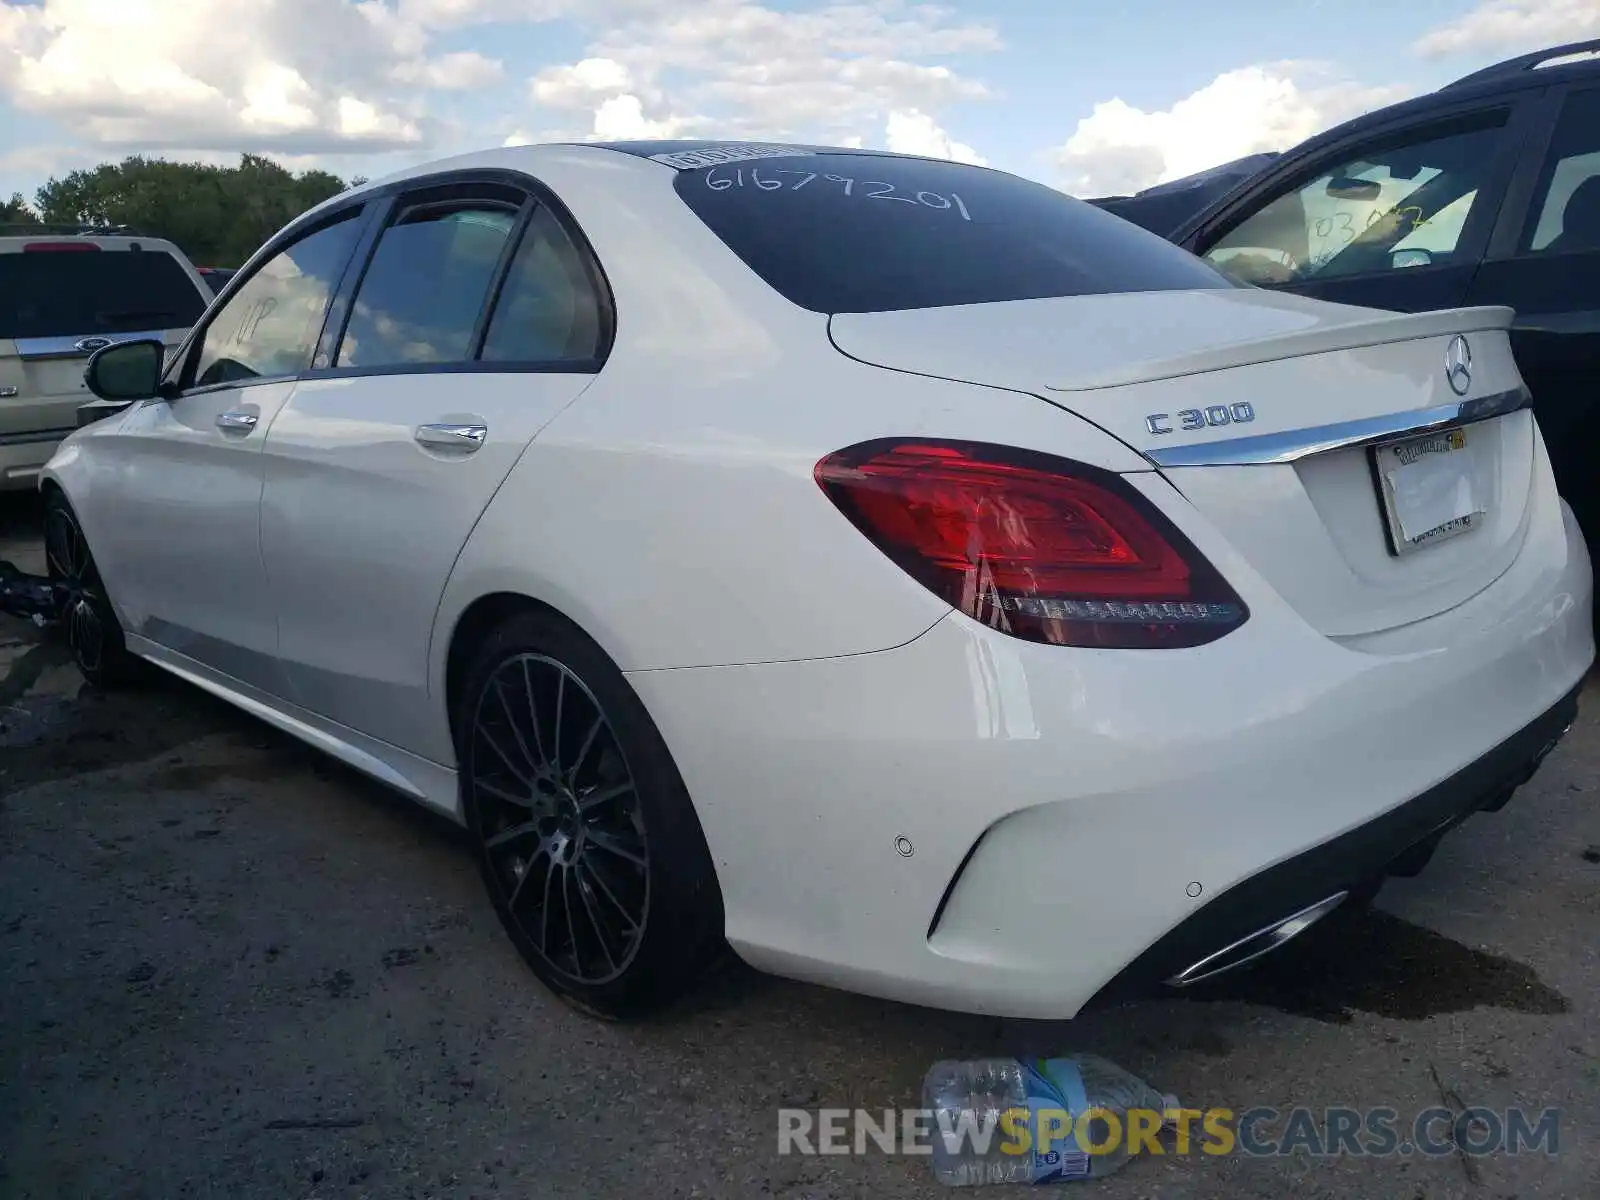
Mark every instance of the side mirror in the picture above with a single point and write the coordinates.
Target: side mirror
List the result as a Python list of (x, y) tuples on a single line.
[(127, 371), (1341, 188), (1410, 258)]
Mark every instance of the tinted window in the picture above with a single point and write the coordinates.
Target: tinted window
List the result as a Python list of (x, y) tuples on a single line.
[(58, 293), (1386, 206), (1566, 210), (868, 233), (548, 310), (271, 324), (429, 278)]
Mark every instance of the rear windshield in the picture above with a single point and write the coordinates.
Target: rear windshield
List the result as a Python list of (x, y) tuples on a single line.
[(869, 233), (56, 293)]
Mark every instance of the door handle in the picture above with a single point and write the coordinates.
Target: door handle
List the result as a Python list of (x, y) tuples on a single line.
[(237, 421), (452, 437)]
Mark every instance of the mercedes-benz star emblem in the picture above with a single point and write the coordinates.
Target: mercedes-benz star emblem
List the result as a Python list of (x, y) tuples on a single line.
[(91, 344), (1458, 365)]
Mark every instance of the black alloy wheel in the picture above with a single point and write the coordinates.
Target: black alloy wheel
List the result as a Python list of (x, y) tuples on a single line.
[(561, 820), (586, 837), (93, 633)]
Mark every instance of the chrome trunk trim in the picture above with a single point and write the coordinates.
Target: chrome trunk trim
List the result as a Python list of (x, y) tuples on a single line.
[(1287, 447)]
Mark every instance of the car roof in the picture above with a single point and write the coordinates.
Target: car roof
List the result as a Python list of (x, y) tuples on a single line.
[(687, 154), (1566, 63), (1539, 69), (678, 154), (16, 243)]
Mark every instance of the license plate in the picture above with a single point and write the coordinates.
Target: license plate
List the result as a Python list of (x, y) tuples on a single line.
[(1429, 487)]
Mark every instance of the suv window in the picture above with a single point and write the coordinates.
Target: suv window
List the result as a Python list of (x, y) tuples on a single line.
[(548, 310), (843, 232), (56, 293), (429, 278), (1397, 203), (270, 326), (1566, 208)]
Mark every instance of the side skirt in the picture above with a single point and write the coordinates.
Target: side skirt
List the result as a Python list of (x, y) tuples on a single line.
[(420, 779)]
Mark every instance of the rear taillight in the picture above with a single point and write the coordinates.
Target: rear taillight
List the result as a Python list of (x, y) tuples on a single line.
[(1037, 546), (53, 247)]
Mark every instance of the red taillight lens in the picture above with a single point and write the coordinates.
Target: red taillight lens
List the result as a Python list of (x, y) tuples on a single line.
[(51, 247), (1040, 547)]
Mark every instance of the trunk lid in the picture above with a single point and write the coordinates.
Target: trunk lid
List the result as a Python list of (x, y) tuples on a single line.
[(1321, 440)]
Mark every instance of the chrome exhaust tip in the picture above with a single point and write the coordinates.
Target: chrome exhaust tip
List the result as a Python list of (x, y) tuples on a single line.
[(1253, 946)]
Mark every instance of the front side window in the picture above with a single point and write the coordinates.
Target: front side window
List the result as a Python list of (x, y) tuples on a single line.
[(270, 326), (1566, 208), (548, 310), (1388, 206), (428, 281), (861, 232)]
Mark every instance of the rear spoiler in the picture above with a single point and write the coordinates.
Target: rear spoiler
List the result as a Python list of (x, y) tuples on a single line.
[(1380, 329)]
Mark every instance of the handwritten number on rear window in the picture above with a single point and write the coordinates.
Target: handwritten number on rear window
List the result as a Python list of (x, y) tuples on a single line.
[(883, 194), (872, 189)]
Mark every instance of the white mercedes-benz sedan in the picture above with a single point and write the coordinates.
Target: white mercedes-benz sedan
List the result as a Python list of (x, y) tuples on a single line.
[(912, 578)]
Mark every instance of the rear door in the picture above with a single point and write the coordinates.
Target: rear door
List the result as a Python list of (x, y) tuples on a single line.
[(1396, 217), (1545, 263), (479, 317), (62, 298)]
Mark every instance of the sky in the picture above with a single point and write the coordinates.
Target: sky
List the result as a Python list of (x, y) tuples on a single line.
[(1097, 97)]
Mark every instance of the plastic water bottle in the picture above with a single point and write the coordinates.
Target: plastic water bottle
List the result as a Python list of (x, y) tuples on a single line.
[(967, 1098)]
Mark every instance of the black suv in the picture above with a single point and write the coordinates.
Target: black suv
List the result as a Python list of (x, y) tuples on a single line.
[(1486, 191)]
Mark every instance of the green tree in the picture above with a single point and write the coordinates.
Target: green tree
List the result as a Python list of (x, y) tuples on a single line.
[(15, 211), (218, 216)]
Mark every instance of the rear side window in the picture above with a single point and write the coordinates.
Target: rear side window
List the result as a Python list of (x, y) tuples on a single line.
[(1566, 216), (57, 293), (548, 310), (870, 233), (429, 279)]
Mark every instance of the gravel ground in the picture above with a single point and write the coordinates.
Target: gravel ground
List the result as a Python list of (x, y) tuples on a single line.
[(231, 968)]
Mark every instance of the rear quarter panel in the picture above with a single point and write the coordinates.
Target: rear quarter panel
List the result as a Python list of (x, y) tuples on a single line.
[(671, 512)]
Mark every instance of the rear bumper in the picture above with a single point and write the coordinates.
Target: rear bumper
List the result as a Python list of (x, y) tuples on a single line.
[(978, 823), (1238, 924)]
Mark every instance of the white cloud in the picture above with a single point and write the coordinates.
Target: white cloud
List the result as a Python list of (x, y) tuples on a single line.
[(738, 68), (1507, 27), (360, 121), (462, 70), (622, 118), (347, 80), (1120, 149), (913, 132), (455, 14), (274, 99), (581, 85), (292, 76)]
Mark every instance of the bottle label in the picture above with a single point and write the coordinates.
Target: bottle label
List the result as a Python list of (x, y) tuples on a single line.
[(1055, 1086)]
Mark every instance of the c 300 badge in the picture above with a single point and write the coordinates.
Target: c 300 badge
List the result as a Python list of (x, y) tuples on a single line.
[(1201, 418)]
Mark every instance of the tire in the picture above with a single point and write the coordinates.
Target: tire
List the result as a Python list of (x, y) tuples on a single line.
[(90, 624), (586, 836)]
